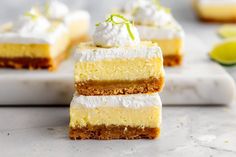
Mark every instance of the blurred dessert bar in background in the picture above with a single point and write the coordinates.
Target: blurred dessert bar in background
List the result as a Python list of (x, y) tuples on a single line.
[(216, 10), (33, 42), (155, 23), (43, 37), (76, 21)]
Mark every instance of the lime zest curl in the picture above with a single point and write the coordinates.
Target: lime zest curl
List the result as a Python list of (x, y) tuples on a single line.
[(125, 21), (31, 15), (46, 9)]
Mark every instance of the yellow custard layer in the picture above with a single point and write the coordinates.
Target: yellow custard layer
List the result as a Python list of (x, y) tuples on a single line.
[(170, 46), (119, 69), (141, 117), (24, 50)]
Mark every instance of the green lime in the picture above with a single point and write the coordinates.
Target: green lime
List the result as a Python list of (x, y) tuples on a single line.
[(225, 52), (228, 31)]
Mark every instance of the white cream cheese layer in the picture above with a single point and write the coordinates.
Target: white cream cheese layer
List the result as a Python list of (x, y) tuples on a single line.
[(152, 15), (55, 10), (28, 25), (170, 31), (108, 34), (141, 51), (48, 37), (80, 15), (128, 101), (217, 2)]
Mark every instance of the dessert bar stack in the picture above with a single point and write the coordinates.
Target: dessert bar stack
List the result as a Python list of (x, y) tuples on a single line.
[(117, 80)]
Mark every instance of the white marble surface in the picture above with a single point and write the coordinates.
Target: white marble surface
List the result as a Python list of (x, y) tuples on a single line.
[(186, 131)]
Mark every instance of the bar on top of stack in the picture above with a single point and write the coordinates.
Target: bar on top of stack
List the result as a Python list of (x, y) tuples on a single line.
[(117, 80)]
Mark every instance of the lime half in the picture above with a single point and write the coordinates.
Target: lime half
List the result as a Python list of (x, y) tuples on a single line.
[(225, 52), (228, 31)]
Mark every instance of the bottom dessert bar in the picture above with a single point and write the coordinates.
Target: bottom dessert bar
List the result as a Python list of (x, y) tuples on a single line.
[(120, 87), (135, 116), (173, 60), (103, 132)]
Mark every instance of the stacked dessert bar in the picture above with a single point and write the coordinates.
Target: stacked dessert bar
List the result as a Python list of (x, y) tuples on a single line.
[(117, 80)]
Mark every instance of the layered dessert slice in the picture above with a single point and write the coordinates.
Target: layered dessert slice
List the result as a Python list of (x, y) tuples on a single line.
[(115, 117), (117, 63), (155, 23), (77, 21), (118, 70), (33, 42), (216, 10)]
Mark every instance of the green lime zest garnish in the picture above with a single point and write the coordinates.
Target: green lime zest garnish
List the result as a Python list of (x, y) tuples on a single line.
[(123, 21), (160, 7), (31, 15), (46, 8), (130, 32)]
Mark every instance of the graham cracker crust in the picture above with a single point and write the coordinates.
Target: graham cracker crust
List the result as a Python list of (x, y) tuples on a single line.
[(213, 20), (33, 63), (103, 132), (173, 60), (89, 88)]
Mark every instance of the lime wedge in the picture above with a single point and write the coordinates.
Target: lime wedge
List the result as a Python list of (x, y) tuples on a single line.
[(225, 52), (227, 31)]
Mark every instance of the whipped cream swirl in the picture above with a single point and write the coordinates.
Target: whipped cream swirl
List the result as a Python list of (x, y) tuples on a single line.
[(31, 22), (56, 10), (114, 34), (152, 15)]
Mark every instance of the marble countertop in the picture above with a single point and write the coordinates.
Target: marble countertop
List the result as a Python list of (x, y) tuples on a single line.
[(207, 131), (186, 131)]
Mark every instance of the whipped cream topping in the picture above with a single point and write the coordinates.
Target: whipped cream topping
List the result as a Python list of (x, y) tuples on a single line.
[(56, 10), (31, 22), (132, 5), (217, 2), (128, 101), (172, 31), (152, 15), (116, 33), (141, 51)]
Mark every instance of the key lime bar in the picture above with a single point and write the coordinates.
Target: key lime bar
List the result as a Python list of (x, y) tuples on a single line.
[(77, 22), (216, 10), (33, 42), (155, 23), (116, 62), (118, 70), (115, 117)]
